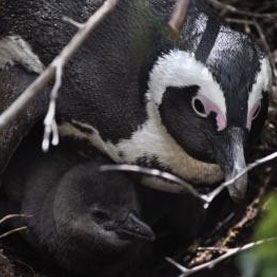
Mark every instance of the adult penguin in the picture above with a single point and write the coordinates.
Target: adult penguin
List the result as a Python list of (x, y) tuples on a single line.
[(191, 106)]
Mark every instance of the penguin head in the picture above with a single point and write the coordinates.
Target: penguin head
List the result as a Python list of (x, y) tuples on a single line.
[(96, 220), (214, 105), (105, 210)]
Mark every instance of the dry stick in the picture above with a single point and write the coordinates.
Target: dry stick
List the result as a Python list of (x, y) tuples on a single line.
[(207, 199), (250, 167), (233, 9), (27, 266), (49, 121), (68, 51), (178, 17), (229, 252), (73, 22), (10, 216), (185, 186), (3, 256), (250, 214), (13, 231)]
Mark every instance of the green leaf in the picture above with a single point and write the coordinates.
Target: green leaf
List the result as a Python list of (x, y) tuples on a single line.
[(261, 261)]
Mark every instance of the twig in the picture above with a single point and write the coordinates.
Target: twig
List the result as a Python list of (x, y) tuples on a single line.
[(250, 215), (186, 187), (10, 216), (67, 52), (222, 223), (49, 121), (13, 231), (209, 265), (232, 9), (27, 266), (3, 256), (178, 16), (250, 167), (239, 21), (251, 212), (73, 22)]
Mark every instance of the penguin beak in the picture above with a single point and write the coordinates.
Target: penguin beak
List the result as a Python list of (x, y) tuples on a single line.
[(230, 156), (133, 228)]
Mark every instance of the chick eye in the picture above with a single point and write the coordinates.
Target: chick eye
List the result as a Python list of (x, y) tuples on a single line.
[(199, 107), (100, 216), (256, 110)]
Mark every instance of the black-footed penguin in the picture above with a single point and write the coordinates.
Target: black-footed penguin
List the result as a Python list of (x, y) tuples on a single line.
[(83, 220), (191, 106)]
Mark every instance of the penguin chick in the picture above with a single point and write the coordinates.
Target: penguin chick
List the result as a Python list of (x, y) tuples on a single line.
[(83, 220)]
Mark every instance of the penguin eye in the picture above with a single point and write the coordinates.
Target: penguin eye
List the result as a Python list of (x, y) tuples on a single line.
[(256, 110), (199, 107), (203, 106), (100, 216)]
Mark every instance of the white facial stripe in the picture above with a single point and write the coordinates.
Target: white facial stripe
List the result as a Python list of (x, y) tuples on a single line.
[(13, 49), (179, 69), (263, 83)]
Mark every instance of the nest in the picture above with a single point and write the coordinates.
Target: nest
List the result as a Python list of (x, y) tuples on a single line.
[(257, 19)]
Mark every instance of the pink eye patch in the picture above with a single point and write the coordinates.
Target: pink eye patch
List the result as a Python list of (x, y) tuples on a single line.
[(203, 107)]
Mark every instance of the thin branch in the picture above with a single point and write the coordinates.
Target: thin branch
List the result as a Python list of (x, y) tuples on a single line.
[(13, 231), (209, 265), (73, 22), (250, 167), (49, 121), (10, 216), (239, 21), (186, 187), (3, 256), (68, 51), (232, 9), (178, 16), (250, 214), (28, 267)]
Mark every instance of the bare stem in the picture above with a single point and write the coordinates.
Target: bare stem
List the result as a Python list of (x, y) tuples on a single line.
[(209, 265), (232, 9), (10, 216), (49, 121), (185, 186), (13, 231), (178, 16)]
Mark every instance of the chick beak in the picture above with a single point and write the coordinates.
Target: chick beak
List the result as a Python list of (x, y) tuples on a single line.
[(232, 161), (133, 228)]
